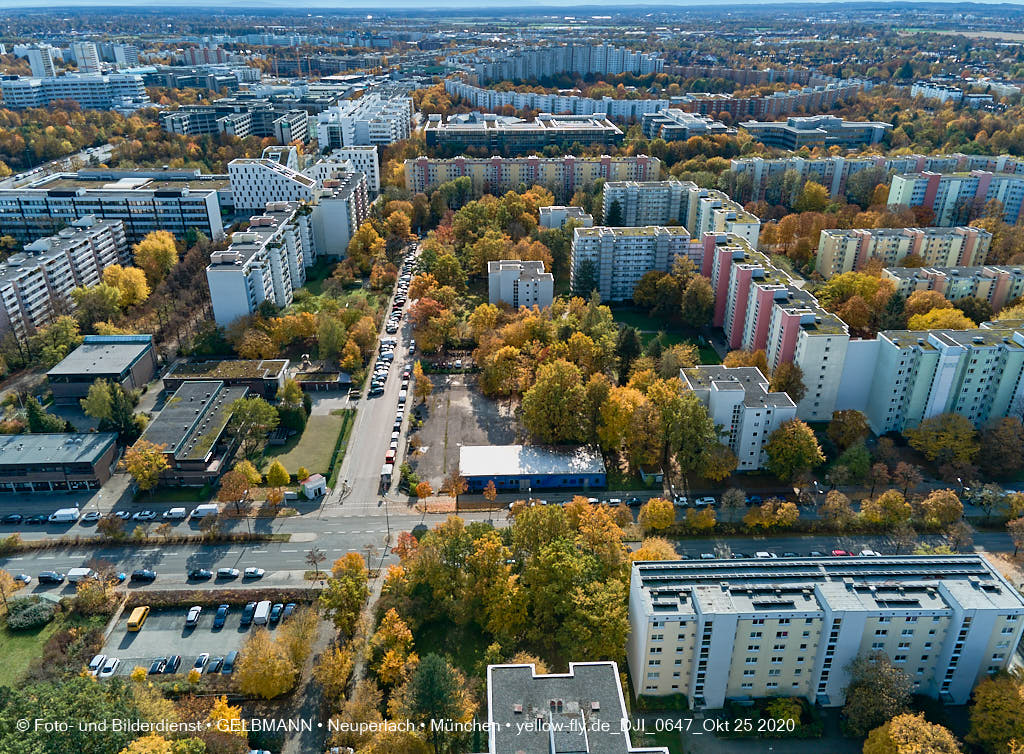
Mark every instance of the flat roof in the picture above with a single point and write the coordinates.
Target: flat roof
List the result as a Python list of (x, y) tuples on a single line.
[(193, 418), (70, 447), (227, 369), (101, 358), (527, 460)]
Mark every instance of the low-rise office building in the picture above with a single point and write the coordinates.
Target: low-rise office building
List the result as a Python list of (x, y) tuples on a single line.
[(191, 429), (614, 259), (126, 360), (556, 216), (842, 251), (513, 138), (144, 200), (726, 630), (262, 377), (521, 468), (60, 462), (518, 283), (738, 400), (124, 92), (36, 283), (561, 175), (672, 124), (957, 198), (816, 131), (582, 711)]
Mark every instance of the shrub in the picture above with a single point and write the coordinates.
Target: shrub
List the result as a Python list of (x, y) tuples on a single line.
[(26, 613)]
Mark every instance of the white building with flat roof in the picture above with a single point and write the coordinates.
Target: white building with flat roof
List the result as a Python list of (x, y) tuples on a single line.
[(123, 92), (518, 283), (41, 61), (369, 120), (556, 216), (87, 57), (738, 629)]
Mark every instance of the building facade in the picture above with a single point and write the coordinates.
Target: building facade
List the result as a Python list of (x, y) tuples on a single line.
[(816, 131), (41, 61), (677, 125), (738, 400), (124, 92), (63, 462), (126, 360), (736, 629), (36, 284), (996, 284), (561, 175), (556, 216), (842, 251), (957, 198), (933, 90), (266, 262), (518, 283), (87, 57), (497, 64), (369, 120), (519, 137)]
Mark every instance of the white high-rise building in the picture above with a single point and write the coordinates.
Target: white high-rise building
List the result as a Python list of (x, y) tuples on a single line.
[(731, 629), (41, 61), (842, 251), (266, 262), (371, 119), (86, 56), (258, 180), (364, 159), (123, 92), (519, 283)]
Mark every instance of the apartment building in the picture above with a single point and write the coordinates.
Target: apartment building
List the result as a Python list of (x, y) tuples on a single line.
[(902, 377), (518, 283), (266, 262), (996, 284), (144, 200), (518, 137), (809, 99), (282, 122), (677, 125), (36, 284), (957, 198), (498, 64), (711, 211), (562, 175), (364, 160), (342, 206), (933, 90), (123, 92), (633, 203), (556, 216), (842, 251), (581, 711), (735, 629), (816, 131), (258, 180), (41, 61), (619, 257), (87, 57), (738, 400), (371, 119)]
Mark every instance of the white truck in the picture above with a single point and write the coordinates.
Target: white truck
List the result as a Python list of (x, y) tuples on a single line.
[(206, 509), (64, 516), (262, 613), (175, 514), (81, 574)]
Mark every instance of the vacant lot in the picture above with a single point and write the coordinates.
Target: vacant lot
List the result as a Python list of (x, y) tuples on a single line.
[(314, 447), (457, 414), (164, 634)]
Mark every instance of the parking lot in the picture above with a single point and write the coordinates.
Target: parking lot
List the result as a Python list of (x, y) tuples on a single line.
[(458, 414), (164, 634)]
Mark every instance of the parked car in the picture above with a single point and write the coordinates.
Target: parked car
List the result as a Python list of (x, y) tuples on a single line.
[(220, 617), (374, 392), (790, 555), (227, 573), (680, 501), (201, 660), (214, 666), (275, 612), (96, 663), (247, 613), (754, 500), (254, 573), (288, 610), (702, 502), (123, 515), (739, 556), (109, 667), (200, 574), (23, 578), (13, 518), (869, 554), (816, 554), (39, 520), (90, 516), (229, 662), (762, 555), (144, 516), (51, 577), (157, 666), (707, 556), (173, 663), (841, 553), (192, 617), (143, 575)]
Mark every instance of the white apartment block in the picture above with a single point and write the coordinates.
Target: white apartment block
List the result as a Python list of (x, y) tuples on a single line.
[(935, 91), (734, 629), (369, 120), (957, 198), (145, 200), (364, 159), (123, 92), (342, 206), (561, 175), (496, 64), (266, 262), (41, 61), (519, 283), (646, 202), (842, 251), (738, 401), (258, 180), (36, 284), (711, 211), (621, 256), (996, 284), (556, 216), (87, 57)]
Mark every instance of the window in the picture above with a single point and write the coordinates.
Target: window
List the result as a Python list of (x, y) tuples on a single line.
[(751, 660), (779, 647), (652, 676), (746, 685), (749, 672), (755, 634), (781, 634), (753, 647), (881, 632)]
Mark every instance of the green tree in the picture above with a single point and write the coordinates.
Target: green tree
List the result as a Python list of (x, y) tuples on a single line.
[(436, 691), (847, 427), (98, 303), (277, 475), (252, 419), (96, 403), (343, 599), (793, 449), (877, 691), (997, 714), (789, 378), (698, 302), (813, 198), (39, 421), (888, 509), (552, 408)]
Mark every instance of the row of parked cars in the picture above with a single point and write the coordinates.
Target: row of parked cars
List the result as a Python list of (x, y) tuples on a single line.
[(260, 613), (765, 555), (74, 515), (138, 576)]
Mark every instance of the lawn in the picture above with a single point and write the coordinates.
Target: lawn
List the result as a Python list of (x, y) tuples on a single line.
[(650, 327), (175, 495), (313, 449), (19, 648), (463, 647)]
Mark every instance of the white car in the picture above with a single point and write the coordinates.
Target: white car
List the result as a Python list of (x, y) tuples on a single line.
[(109, 667), (91, 516), (96, 663), (765, 555), (144, 516), (702, 501), (869, 554), (254, 573), (201, 661)]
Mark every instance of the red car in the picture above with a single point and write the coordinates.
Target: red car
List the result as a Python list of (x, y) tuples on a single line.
[(841, 553)]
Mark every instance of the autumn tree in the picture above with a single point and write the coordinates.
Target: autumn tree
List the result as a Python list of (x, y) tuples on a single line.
[(553, 406), (234, 489), (435, 691), (145, 461), (906, 476), (251, 420), (657, 514), (888, 509), (847, 427), (877, 691), (793, 449), (422, 387), (911, 734), (941, 319), (332, 671), (423, 490), (837, 511), (788, 378), (733, 502), (941, 508), (945, 438), (130, 282), (1002, 447), (1016, 529), (156, 254), (654, 548), (343, 598), (263, 667), (997, 714), (277, 475)]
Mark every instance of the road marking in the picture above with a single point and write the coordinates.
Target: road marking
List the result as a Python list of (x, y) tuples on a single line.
[(289, 550), (47, 557)]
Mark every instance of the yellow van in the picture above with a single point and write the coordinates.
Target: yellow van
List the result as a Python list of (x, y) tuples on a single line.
[(138, 617)]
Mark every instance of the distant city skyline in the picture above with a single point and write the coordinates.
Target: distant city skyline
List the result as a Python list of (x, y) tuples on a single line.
[(501, 5)]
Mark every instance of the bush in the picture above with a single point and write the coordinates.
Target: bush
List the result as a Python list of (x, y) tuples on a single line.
[(29, 612)]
